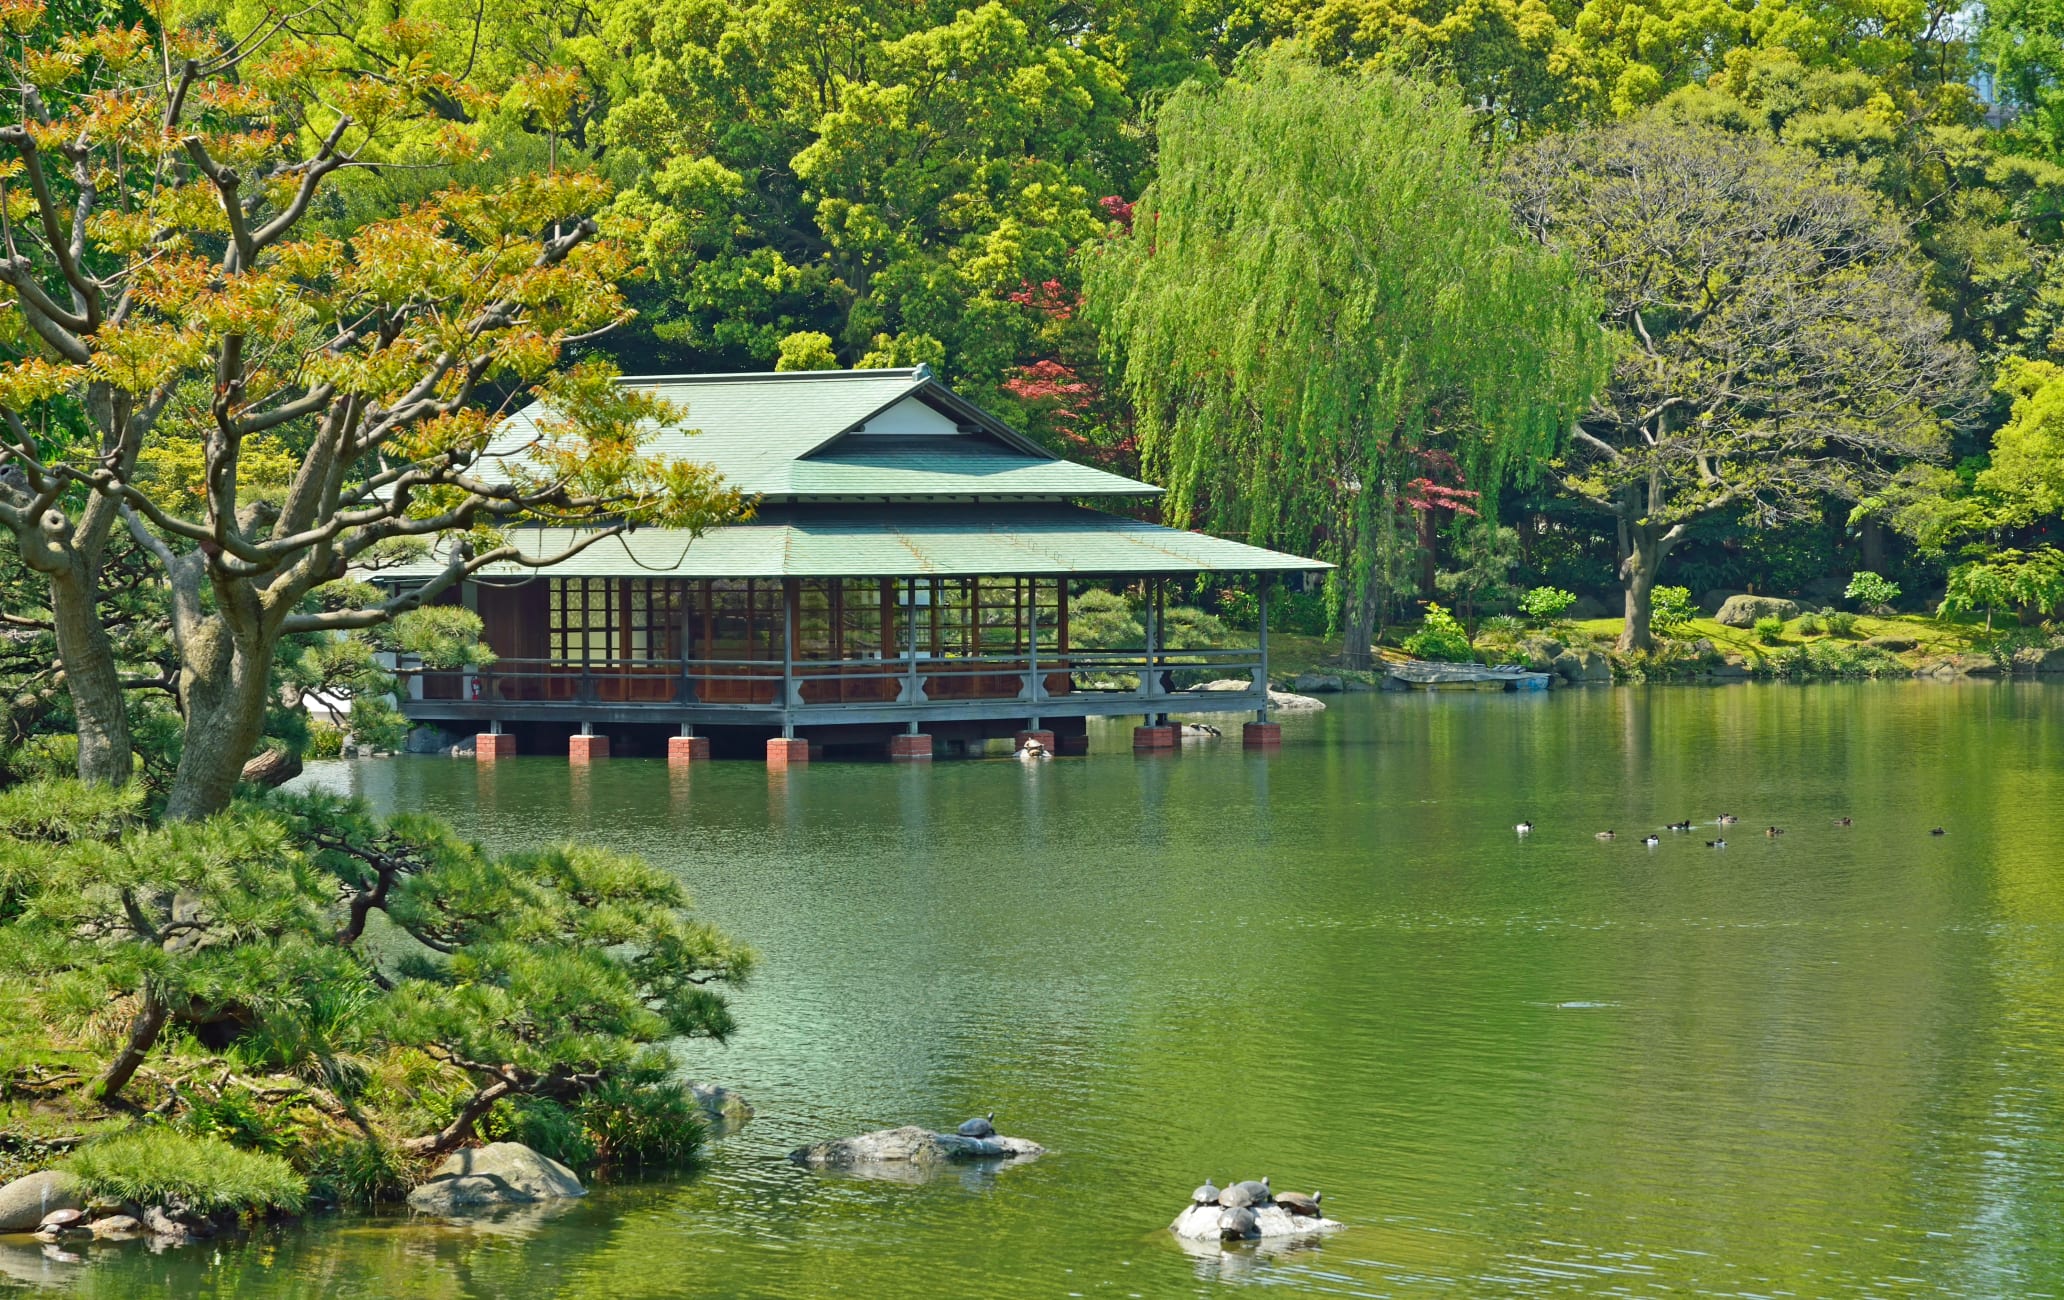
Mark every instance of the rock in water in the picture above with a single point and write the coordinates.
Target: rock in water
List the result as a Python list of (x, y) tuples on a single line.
[(911, 1145), (25, 1201), (116, 1226), (500, 1173), (1256, 1218)]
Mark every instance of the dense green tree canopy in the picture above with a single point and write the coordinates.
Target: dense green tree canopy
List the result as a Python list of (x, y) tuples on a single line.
[(1773, 344)]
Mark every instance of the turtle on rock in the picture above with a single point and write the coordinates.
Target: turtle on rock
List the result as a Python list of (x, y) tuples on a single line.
[(982, 1126), (1205, 1195), (1241, 1195), (1238, 1222), (1300, 1205)]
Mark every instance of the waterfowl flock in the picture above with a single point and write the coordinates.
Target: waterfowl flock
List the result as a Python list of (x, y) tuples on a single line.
[(1724, 819)]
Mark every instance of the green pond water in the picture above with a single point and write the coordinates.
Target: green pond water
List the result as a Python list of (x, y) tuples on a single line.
[(1828, 1064)]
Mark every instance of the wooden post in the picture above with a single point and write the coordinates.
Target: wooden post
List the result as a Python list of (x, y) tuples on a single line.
[(1261, 733), (788, 613)]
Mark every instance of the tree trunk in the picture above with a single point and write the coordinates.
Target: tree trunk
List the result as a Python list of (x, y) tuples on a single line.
[(91, 676), (1870, 536), (1359, 651), (143, 1035), (1645, 549), (271, 768), (461, 1127), (1429, 556), (224, 682)]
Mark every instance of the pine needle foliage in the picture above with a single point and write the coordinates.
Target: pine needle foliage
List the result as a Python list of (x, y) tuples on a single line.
[(304, 937), (152, 1165), (1318, 285)]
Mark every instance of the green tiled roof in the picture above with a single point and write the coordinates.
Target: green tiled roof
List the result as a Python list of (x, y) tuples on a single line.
[(897, 541), (778, 436)]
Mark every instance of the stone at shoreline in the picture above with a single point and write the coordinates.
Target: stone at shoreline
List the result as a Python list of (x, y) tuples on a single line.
[(1280, 700), (723, 1106), (1201, 1223), (1731, 669), (160, 1224), (1577, 666), (25, 1201), (1743, 611), (116, 1226), (1896, 642), (911, 1145), (1317, 684), (500, 1173)]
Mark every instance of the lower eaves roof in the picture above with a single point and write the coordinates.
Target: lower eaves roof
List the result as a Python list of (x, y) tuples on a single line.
[(892, 542)]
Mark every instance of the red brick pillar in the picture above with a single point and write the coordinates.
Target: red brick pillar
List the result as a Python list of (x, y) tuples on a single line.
[(682, 750), (491, 745), (788, 751), (911, 747), (1044, 737), (1262, 735), (1163, 736), (587, 749)]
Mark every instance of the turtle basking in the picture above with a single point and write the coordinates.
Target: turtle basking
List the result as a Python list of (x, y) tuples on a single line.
[(1304, 1207), (1205, 1195), (982, 1126), (1241, 1195), (1238, 1222)]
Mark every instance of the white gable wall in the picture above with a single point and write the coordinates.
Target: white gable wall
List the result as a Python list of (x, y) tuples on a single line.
[(907, 417)]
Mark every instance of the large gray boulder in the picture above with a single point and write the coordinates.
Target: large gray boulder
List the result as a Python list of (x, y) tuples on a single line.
[(911, 1145), (1743, 611), (25, 1201), (1578, 666), (500, 1173), (1317, 684), (1896, 642), (1710, 603)]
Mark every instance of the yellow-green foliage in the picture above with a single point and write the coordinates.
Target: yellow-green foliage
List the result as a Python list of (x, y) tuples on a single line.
[(152, 1165)]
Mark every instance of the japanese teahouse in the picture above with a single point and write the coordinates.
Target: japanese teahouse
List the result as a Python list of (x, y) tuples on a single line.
[(904, 583)]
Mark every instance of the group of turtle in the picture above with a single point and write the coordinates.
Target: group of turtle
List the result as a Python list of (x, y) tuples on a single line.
[(1239, 1204), (1237, 1218)]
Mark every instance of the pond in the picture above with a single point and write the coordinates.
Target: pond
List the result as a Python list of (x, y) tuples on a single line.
[(1825, 1064)]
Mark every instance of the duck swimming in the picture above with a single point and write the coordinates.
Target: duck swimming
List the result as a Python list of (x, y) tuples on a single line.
[(1728, 819), (1938, 831), (1716, 844), (1844, 821), (1525, 828), (1653, 840), (1604, 835), (1774, 831), (1678, 826)]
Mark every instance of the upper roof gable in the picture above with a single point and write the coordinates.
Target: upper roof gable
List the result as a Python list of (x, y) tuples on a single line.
[(754, 428)]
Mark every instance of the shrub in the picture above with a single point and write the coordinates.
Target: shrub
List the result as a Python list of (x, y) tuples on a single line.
[(1811, 625), (1504, 625), (1440, 638), (1840, 622), (1872, 591), (153, 1165), (1770, 629), (1546, 604), (325, 740), (1671, 610)]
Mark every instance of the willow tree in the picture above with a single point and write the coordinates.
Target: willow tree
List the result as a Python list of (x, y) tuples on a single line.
[(162, 272), (1319, 285)]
